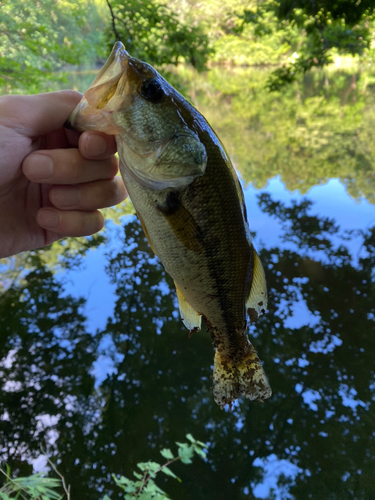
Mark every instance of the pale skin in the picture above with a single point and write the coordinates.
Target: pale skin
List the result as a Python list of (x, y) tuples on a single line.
[(52, 180)]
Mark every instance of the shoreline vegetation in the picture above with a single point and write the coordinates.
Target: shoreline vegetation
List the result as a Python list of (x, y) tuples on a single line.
[(296, 84), (38, 40), (307, 133)]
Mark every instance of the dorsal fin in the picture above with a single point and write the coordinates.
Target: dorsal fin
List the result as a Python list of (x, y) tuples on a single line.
[(191, 319), (256, 303)]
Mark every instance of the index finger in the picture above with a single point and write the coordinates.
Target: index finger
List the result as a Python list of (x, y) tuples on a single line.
[(97, 145), (39, 114)]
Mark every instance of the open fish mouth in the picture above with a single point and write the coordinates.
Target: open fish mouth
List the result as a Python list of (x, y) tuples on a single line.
[(105, 95)]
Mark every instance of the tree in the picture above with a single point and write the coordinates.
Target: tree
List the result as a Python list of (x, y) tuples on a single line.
[(38, 38), (325, 28), (152, 32)]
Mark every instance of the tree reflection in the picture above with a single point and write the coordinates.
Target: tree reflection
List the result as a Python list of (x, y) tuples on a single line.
[(46, 356), (316, 342), (307, 134)]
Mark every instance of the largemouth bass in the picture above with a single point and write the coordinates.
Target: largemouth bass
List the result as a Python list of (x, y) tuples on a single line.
[(191, 206)]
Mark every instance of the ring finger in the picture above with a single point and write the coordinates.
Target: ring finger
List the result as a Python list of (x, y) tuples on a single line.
[(70, 223), (90, 196)]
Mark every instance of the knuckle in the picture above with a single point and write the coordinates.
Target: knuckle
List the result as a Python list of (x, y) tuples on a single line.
[(91, 222), (74, 166), (112, 165), (116, 190)]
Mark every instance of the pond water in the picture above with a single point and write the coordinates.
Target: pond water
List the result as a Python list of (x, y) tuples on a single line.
[(97, 370)]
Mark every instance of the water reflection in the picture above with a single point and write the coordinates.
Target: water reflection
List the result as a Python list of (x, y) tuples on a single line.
[(104, 389), (321, 370)]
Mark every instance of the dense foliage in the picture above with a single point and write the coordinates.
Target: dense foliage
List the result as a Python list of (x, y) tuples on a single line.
[(40, 487), (36, 39), (153, 32), (306, 134), (324, 26)]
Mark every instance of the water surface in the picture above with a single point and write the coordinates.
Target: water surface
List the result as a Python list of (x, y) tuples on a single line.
[(96, 366)]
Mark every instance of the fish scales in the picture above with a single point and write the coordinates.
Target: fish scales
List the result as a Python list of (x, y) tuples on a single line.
[(215, 290), (191, 207)]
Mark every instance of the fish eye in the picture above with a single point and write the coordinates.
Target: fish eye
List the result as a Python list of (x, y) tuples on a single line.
[(151, 90)]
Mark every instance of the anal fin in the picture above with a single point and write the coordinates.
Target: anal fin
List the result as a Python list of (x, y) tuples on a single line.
[(191, 319), (256, 303)]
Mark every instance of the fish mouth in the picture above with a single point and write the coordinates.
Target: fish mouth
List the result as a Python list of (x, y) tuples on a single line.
[(104, 95)]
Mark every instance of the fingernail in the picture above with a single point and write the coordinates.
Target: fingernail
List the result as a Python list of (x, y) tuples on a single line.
[(65, 197), (48, 219), (95, 145), (38, 167)]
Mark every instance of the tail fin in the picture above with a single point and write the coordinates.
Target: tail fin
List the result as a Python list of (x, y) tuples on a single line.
[(245, 377)]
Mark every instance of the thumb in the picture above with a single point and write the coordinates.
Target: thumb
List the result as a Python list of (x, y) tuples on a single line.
[(40, 114)]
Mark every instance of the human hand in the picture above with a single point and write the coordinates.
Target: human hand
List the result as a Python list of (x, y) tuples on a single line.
[(52, 180)]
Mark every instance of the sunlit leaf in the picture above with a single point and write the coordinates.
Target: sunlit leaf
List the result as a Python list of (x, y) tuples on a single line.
[(168, 471), (166, 453), (186, 453)]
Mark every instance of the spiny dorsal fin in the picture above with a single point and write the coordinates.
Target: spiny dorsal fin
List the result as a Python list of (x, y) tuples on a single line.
[(256, 303), (191, 319)]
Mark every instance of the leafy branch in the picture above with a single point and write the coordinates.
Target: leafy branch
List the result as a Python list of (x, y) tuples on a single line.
[(144, 487), (113, 17), (34, 487), (39, 487)]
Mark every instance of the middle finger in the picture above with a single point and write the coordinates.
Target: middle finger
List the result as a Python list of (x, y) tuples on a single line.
[(90, 196), (67, 166)]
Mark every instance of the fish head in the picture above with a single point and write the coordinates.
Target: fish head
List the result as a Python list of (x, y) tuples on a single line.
[(150, 119)]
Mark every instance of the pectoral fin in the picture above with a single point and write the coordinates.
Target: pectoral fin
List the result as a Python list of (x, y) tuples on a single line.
[(182, 222), (191, 319), (256, 303)]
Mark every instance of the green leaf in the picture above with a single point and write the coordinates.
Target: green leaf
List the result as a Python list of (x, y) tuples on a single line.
[(186, 454), (146, 496), (122, 480), (194, 441), (200, 452), (137, 475), (168, 471), (201, 444), (106, 497), (151, 486), (182, 445), (131, 488), (154, 466), (125, 484), (166, 453)]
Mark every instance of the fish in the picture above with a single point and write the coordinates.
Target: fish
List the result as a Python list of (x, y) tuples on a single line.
[(191, 206)]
